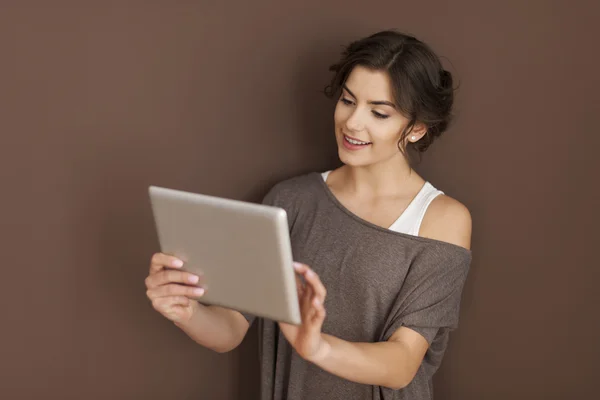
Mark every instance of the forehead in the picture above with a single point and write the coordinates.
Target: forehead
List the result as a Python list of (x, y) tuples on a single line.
[(368, 84)]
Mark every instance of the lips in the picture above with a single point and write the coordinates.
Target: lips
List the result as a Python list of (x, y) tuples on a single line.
[(351, 143), (355, 141)]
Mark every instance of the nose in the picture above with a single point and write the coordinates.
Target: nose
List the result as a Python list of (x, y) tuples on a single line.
[(354, 123)]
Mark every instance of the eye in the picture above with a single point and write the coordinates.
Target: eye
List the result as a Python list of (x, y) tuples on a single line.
[(379, 115), (346, 101)]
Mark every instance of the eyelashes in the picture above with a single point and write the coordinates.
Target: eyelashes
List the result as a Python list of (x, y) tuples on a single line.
[(377, 115)]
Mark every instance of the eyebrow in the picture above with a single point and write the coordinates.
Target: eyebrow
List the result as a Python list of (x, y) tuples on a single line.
[(376, 102)]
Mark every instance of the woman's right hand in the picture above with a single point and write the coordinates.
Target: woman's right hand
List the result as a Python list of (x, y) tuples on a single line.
[(173, 292)]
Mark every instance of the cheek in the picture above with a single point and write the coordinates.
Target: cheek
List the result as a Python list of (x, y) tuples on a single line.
[(382, 132), (386, 134)]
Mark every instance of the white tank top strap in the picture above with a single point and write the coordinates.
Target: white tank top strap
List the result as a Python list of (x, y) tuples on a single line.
[(410, 220)]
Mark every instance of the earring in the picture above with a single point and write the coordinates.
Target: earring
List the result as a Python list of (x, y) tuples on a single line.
[(414, 138)]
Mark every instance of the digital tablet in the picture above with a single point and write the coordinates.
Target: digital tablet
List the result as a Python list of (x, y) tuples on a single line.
[(243, 250)]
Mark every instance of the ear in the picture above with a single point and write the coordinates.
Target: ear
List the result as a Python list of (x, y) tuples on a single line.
[(418, 131)]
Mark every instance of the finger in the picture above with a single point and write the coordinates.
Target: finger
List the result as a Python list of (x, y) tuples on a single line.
[(307, 295), (299, 286), (171, 276), (318, 317), (306, 307), (313, 308), (160, 260), (313, 280), (300, 268), (174, 289), (163, 303)]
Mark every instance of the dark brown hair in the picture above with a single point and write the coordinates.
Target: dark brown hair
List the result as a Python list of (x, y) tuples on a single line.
[(422, 88)]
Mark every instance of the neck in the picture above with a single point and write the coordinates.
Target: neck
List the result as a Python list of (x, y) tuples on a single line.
[(390, 177)]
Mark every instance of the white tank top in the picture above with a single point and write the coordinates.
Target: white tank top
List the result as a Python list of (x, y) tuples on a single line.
[(409, 221)]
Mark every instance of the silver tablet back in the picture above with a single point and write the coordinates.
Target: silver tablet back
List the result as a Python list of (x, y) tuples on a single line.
[(242, 249)]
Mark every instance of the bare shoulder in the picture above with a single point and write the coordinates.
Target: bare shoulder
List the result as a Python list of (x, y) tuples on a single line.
[(447, 220)]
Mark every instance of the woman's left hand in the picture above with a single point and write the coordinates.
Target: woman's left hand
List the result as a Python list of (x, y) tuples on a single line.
[(306, 338)]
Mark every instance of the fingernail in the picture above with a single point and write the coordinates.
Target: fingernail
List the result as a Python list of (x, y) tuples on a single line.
[(199, 291), (297, 265), (193, 279), (309, 273), (317, 302), (177, 263)]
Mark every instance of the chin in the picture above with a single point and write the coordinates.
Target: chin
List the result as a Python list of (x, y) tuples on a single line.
[(351, 160)]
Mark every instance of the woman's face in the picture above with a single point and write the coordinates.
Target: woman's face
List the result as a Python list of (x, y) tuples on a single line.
[(367, 124)]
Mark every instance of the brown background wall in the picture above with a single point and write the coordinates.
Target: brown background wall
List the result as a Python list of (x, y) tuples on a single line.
[(100, 99)]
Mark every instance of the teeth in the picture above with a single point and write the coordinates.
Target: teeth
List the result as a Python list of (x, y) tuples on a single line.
[(354, 141)]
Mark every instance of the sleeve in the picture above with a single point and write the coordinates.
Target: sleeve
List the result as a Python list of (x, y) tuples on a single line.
[(278, 196), (429, 300)]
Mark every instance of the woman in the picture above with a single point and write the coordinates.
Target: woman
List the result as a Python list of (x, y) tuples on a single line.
[(383, 253)]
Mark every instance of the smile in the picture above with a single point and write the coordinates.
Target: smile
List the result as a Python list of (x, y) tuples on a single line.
[(355, 142)]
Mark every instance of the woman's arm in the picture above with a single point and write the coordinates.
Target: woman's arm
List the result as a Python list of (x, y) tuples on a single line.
[(392, 364), (217, 328)]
